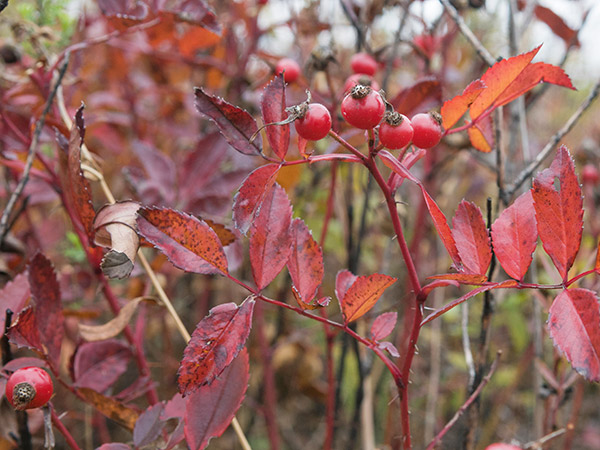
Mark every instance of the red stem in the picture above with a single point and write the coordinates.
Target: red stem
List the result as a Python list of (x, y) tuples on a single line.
[(63, 430)]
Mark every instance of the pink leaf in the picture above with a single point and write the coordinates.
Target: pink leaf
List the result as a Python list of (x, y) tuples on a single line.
[(235, 124), (13, 296), (273, 110), (188, 242), (216, 341), (559, 211), (362, 295), (270, 240), (471, 237), (210, 410), (514, 236), (343, 280), (383, 325), (249, 198), (97, 365), (574, 326), (305, 263)]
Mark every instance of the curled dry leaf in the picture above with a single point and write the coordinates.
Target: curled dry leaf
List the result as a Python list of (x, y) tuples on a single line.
[(111, 408), (112, 328), (115, 228)]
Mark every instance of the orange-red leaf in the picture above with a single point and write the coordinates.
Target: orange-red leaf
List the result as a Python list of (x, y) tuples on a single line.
[(514, 236), (453, 109), (497, 78), (557, 25), (471, 237), (421, 96), (559, 211), (481, 135), (574, 326), (216, 341), (443, 229), (362, 295), (305, 263), (188, 242), (270, 240), (462, 278), (273, 110)]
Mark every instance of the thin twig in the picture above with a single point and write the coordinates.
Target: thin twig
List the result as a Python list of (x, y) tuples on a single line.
[(466, 31), (538, 445), (469, 401), (39, 125), (528, 171)]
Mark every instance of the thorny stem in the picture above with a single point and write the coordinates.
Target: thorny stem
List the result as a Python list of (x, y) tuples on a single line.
[(467, 403)]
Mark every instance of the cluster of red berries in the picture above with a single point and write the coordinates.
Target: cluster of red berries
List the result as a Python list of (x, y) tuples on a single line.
[(28, 388), (364, 107)]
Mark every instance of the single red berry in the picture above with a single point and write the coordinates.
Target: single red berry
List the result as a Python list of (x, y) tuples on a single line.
[(363, 107), (290, 69), (315, 123), (363, 63), (360, 78), (590, 174), (427, 129), (396, 131), (29, 387)]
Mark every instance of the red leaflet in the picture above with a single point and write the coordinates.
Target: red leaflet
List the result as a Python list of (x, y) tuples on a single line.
[(557, 25), (426, 290), (559, 213), (251, 195), (530, 77), (471, 237), (383, 325), (392, 162), (149, 425), (13, 296), (453, 109), (500, 446), (454, 303), (343, 281), (273, 110), (45, 293), (462, 278), (24, 332), (497, 78), (210, 410), (188, 242), (574, 326), (362, 294), (215, 343), (481, 135), (514, 236), (235, 124), (76, 187), (97, 365), (270, 240), (421, 96), (596, 266), (305, 263)]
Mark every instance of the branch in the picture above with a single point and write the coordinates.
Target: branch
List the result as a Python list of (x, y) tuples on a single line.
[(528, 171), (39, 125), (468, 403)]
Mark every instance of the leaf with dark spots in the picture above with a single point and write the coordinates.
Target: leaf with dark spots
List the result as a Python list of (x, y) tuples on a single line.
[(305, 263), (362, 294), (45, 293), (273, 110), (514, 236), (216, 341), (472, 239), (188, 242), (235, 124), (383, 325), (270, 238), (249, 198), (13, 296), (574, 326), (111, 408), (559, 211), (97, 365), (75, 186), (210, 409)]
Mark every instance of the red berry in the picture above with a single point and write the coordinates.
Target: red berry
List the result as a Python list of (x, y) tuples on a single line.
[(363, 107), (396, 131), (590, 174), (363, 63), (29, 387), (290, 69), (427, 130), (360, 78), (315, 123)]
